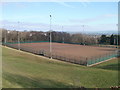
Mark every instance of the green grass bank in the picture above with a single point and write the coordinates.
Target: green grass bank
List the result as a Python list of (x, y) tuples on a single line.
[(22, 70)]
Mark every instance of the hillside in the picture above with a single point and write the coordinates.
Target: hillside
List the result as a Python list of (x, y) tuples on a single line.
[(24, 70)]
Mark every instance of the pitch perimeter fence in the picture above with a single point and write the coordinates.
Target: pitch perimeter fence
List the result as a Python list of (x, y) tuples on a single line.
[(95, 45), (68, 58)]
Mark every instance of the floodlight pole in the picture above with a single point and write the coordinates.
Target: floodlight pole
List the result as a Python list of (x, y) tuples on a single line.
[(117, 36), (6, 32), (18, 38), (96, 39), (83, 33), (114, 41), (5, 37), (50, 38), (63, 36), (117, 39)]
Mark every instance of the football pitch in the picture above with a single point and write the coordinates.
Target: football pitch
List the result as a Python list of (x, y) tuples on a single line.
[(78, 54)]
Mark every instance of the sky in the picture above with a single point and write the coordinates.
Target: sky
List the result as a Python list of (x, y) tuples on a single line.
[(66, 16)]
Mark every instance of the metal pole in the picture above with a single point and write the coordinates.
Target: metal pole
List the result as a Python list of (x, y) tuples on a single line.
[(117, 40), (5, 37), (63, 35), (50, 39), (83, 33), (114, 39), (18, 39), (95, 40), (117, 36)]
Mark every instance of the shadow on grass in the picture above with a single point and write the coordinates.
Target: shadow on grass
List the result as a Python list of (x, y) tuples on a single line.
[(26, 82), (110, 67)]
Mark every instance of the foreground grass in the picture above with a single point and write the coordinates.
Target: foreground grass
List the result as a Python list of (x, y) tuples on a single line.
[(21, 70)]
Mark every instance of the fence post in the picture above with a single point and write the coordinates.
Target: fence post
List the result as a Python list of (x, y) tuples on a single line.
[(86, 61)]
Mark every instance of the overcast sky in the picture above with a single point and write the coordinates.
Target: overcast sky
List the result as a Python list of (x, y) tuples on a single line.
[(96, 16)]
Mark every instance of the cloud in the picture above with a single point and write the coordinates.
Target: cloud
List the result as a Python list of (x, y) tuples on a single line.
[(27, 26), (59, 0), (97, 18), (111, 15), (98, 27), (21, 26), (65, 4), (84, 3)]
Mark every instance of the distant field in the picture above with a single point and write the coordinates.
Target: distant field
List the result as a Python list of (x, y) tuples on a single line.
[(23, 70)]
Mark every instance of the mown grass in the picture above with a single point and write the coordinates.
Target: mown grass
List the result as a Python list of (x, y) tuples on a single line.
[(22, 70), (110, 65)]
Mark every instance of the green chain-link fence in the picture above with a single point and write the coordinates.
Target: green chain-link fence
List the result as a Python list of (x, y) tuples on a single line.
[(96, 45), (77, 60), (100, 59)]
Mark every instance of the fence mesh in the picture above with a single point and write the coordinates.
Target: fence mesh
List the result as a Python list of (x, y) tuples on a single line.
[(63, 57), (101, 58)]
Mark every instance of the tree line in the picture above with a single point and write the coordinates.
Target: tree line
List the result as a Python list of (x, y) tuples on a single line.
[(111, 39), (30, 36)]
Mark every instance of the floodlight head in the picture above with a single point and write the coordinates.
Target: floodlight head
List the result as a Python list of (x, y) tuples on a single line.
[(45, 34), (30, 34), (8, 31)]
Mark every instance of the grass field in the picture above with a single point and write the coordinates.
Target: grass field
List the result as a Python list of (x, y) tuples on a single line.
[(22, 70)]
